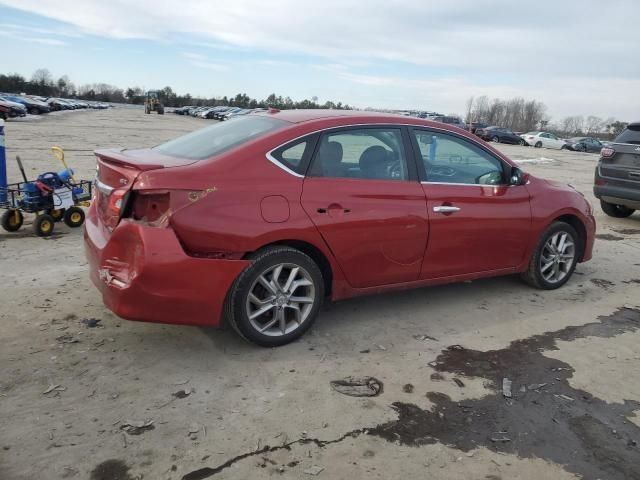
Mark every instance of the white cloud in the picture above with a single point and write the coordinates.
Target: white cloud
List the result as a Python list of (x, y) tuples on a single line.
[(502, 47), (27, 38), (201, 61)]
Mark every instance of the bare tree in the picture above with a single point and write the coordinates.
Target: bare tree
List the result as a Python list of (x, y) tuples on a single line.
[(594, 125), (42, 76)]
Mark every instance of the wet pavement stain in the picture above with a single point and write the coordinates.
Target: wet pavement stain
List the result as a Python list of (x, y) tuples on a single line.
[(602, 283), (549, 419), (111, 470), (627, 231), (608, 236), (544, 417)]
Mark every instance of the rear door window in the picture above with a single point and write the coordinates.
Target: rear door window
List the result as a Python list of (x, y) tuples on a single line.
[(366, 153)]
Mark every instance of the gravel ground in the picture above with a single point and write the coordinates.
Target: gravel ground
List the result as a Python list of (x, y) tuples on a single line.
[(127, 400)]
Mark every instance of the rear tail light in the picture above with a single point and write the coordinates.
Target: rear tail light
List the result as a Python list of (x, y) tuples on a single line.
[(150, 207), (607, 152), (154, 207)]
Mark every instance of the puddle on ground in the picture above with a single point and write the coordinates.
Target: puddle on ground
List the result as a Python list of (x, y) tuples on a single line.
[(545, 418)]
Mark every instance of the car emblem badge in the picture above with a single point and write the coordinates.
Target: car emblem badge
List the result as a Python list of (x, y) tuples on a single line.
[(123, 181), (637, 149)]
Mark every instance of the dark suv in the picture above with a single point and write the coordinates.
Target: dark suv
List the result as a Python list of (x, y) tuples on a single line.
[(617, 182)]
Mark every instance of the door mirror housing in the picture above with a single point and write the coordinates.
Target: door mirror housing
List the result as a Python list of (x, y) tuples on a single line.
[(517, 177)]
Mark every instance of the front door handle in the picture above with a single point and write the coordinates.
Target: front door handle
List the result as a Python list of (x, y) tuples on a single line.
[(446, 209)]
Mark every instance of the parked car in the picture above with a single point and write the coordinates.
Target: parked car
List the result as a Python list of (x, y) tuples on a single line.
[(9, 109), (500, 135), (259, 219), (617, 179), (454, 121), (478, 125), (584, 144), (34, 107), (231, 111), (544, 139), (56, 104)]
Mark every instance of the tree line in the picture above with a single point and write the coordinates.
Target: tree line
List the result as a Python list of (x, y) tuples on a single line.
[(522, 115), (43, 84), (518, 114)]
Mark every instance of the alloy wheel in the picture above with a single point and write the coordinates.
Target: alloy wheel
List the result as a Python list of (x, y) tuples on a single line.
[(280, 299), (558, 255)]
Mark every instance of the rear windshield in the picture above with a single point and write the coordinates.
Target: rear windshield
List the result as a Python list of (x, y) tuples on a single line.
[(631, 134), (217, 138)]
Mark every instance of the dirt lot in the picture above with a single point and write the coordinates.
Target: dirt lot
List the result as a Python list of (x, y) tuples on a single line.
[(125, 400)]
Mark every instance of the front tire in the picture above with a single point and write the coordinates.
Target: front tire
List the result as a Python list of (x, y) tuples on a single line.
[(555, 257), (538, 145), (43, 225), (496, 139), (521, 143), (277, 298), (616, 211)]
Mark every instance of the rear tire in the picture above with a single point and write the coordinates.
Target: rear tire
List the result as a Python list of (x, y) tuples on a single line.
[(552, 255), (74, 217), (12, 220), (616, 211), (521, 143), (495, 139), (286, 285)]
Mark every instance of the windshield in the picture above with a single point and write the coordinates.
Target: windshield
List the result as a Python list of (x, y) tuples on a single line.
[(210, 141)]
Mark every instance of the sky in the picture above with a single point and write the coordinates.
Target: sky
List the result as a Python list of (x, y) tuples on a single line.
[(576, 56)]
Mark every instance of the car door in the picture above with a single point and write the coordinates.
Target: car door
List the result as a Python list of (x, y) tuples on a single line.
[(555, 142), (594, 145), (477, 223), (362, 193)]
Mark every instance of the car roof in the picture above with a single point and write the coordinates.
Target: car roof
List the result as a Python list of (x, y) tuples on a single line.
[(299, 116)]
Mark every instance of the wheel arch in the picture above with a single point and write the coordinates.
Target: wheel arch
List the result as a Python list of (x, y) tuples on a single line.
[(579, 227), (314, 253)]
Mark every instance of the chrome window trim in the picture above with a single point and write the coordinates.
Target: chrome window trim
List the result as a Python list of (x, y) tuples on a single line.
[(276, 162)]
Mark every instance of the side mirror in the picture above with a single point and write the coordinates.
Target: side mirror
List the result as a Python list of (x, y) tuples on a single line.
[(517, 177)]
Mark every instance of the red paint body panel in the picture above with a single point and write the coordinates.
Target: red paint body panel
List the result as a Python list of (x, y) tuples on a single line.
[(490, 232), (239, 201), (154, 279), (376, 229)]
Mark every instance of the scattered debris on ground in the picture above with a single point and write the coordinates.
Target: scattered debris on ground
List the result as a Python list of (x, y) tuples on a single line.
[(358, 387)]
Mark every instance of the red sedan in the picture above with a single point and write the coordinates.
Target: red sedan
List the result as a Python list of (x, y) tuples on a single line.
[(259, 220)]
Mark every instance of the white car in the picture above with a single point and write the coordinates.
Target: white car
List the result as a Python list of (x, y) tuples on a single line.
[(544, 139)]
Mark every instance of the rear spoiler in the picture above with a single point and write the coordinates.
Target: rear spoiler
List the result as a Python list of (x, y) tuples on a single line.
[(128, 159)]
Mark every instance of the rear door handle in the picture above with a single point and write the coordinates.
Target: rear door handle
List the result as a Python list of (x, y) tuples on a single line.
[(334, 207), (446, 209)]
